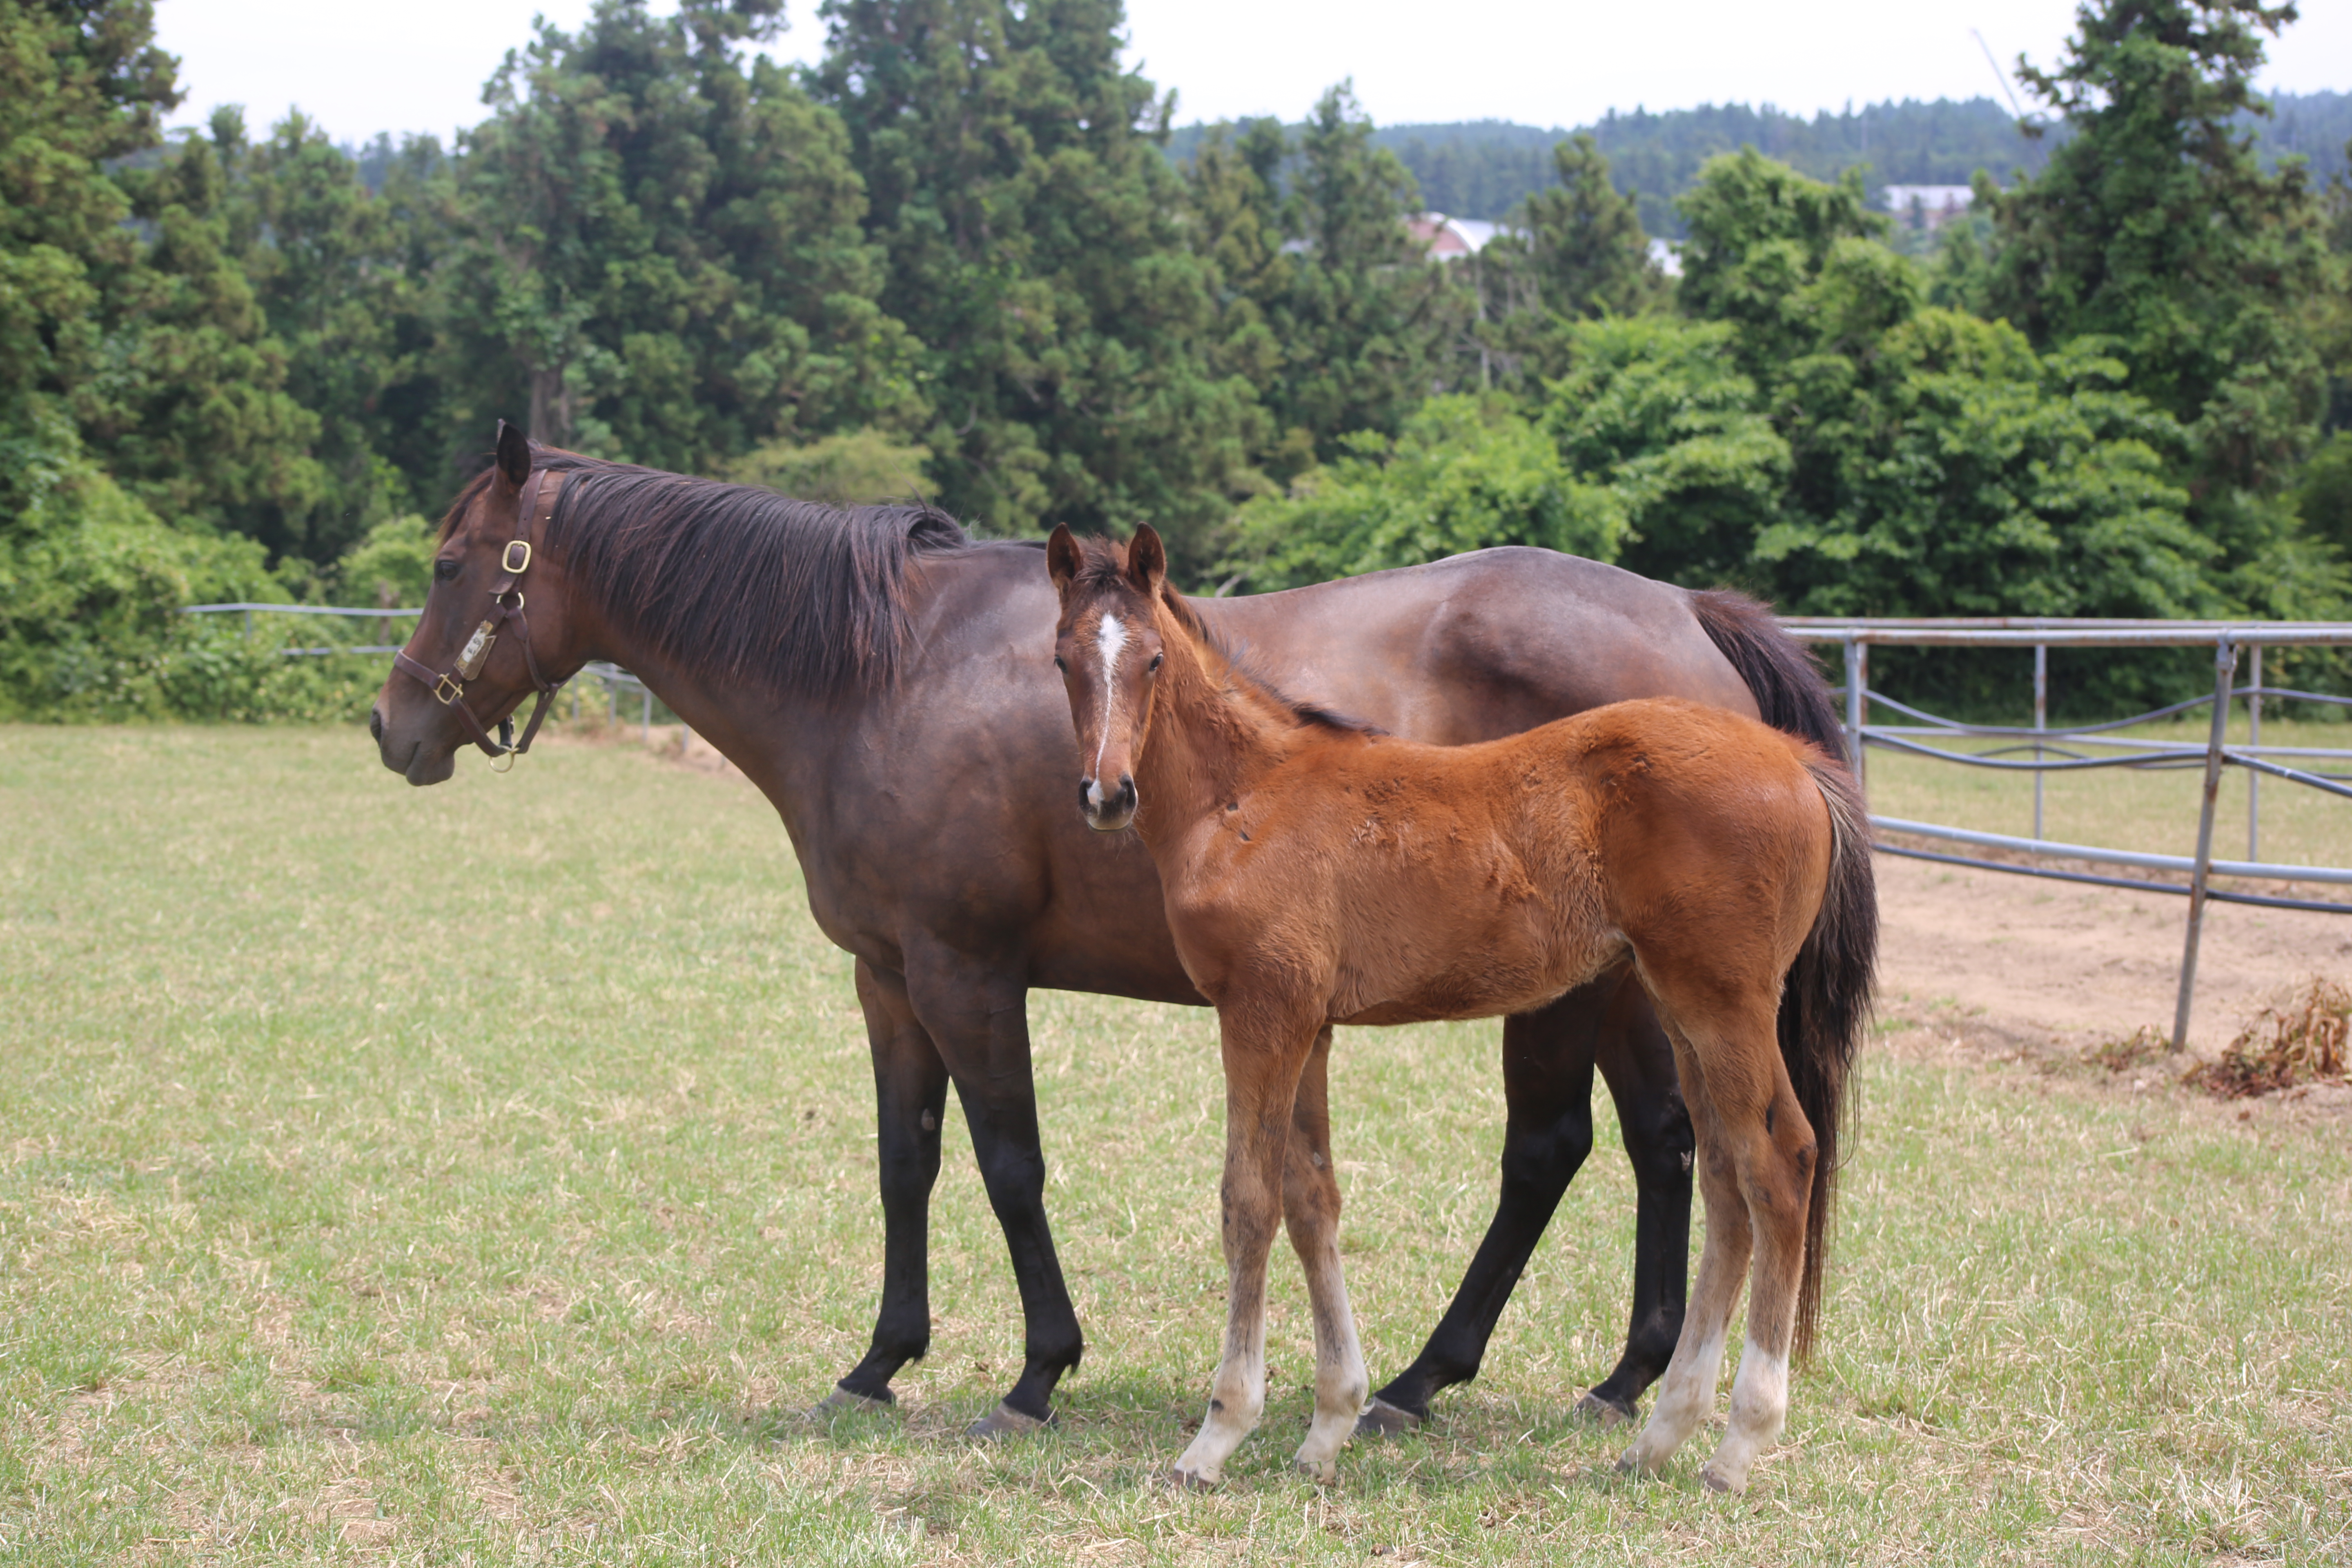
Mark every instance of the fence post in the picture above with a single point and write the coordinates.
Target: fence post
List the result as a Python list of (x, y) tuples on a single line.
[(2253, 738), (2040, 723), (248, 626), (647, 721), (1857, 673), (2225, 667)]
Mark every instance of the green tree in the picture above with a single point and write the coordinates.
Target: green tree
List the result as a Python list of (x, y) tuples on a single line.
[(1657, 410), (657, 252), (1590, 257), (1760, 232), (1034, 245), (1467, 472), (1367, 322), (2155, 229), (153, 351)]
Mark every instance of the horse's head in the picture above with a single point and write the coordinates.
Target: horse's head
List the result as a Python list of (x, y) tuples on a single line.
[(475, 655), (1107, 647)]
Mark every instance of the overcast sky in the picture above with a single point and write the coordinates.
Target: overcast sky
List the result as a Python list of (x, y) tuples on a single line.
[(419, 65)]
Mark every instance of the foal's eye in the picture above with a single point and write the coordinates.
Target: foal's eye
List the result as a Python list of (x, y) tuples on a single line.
[(1060, 666), (444, 570), (1153, 667)]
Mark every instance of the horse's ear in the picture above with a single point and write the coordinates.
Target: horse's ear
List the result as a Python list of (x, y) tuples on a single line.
[(1146, 561), (514, 455), (1062, 558)]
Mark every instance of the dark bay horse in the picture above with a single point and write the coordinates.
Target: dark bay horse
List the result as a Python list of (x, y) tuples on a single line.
[(1318, 872), (886, 683)]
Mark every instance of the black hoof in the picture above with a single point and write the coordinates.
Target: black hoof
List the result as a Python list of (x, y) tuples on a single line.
[(1381, 1419), (1606, 1413), (1006, 1422), (848, 1402)]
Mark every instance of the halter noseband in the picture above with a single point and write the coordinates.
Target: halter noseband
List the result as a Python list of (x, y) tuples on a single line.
[(448, 688)]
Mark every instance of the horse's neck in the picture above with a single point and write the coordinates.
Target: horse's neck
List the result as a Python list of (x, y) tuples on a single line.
[(1212, 737)]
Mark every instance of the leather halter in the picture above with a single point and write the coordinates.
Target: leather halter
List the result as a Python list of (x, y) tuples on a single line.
[(512, 563)]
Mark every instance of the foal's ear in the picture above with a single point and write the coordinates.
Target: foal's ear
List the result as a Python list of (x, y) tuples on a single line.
[(514, 455), (1146, 561), (1062, 558)]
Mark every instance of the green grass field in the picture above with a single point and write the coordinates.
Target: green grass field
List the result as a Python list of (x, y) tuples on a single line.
[(484, 1174)]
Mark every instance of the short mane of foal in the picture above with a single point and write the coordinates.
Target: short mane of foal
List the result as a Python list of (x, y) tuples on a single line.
[(1316, 873)]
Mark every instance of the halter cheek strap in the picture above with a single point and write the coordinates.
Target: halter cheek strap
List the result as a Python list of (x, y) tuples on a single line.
[(512, 563)]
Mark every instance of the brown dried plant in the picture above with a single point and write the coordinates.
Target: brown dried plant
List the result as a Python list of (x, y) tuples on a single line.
[(2302, 1042)]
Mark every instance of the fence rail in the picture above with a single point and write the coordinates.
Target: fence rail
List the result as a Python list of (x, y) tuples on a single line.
[(2061, 751)]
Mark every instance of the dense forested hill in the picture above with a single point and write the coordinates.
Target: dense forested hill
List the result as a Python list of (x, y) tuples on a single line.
[(1481, 168)]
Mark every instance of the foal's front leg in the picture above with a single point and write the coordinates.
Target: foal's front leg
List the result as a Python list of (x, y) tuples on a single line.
[(1262, 1063), (1310, 1209)]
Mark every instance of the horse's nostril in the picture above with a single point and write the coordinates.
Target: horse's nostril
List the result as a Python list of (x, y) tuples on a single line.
[(375, 724), (1086, 794)]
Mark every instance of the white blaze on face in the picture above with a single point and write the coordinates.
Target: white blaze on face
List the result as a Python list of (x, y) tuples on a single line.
[(1111, 637)]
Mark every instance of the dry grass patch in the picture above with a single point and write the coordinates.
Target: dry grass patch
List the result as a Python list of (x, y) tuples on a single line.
[(2302, 1042)]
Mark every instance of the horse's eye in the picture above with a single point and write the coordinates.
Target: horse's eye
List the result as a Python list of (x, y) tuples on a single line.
[(444, 570), (1060, 666), (1154, 668)]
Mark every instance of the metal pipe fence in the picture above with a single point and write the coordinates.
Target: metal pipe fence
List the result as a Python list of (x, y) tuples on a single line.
[(2084, 747)]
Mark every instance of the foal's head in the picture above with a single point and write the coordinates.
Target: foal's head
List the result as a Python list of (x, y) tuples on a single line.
[(1107, 648)]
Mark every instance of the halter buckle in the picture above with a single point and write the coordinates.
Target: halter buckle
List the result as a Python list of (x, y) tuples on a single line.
[(447, 691), (509, 565)]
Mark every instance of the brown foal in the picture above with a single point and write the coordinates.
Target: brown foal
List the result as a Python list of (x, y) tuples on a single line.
[(1317, 872)]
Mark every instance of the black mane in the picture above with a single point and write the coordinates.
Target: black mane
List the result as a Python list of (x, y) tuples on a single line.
[(738, 583), (1104, 565)]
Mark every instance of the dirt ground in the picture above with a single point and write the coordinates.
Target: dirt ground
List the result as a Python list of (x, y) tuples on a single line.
[(2062, 964)]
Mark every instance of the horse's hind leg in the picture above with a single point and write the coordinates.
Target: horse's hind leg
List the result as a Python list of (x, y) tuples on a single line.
[(1688, 1392), (1775, 1166), (1637, 1061), (1264, 1062), (1310, 1210), (1548, 1088)]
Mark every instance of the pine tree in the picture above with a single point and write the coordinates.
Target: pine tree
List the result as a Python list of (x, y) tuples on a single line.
[(1034, 247), (658, 255), (2155, 229)]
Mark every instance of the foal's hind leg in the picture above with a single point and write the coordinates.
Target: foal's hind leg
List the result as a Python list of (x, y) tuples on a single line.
[(1775, 1164), (1687, 1395), (1310, 1209)]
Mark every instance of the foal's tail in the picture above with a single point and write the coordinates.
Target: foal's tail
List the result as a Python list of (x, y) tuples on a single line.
[(1825, 1006)]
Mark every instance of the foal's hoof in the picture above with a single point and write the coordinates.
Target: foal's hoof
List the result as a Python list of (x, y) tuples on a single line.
[(848, 1402), (1607, 1414), (1185, 1480), (1381, 1419), (1006, 1422), (1716, 1483), (1323, 1473)]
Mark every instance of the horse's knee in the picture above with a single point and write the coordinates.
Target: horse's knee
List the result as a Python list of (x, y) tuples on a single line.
[(1546, 1158)]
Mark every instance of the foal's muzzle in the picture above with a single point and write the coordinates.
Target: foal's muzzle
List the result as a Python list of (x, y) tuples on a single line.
[(1107, 811)]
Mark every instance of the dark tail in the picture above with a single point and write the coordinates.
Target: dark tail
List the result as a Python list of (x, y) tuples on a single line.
[(1825, 1001), (1825, 1006), (1779, 672)]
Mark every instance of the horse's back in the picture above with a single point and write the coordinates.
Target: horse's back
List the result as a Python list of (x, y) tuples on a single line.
[(1481, 645)]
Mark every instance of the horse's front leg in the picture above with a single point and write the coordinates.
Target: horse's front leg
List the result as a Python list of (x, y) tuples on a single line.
[(910, 1090), (1310, 1210), (976, 1012), (1262, 1061)]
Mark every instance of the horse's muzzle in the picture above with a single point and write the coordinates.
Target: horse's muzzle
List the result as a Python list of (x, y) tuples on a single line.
[(1107, 811)]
